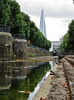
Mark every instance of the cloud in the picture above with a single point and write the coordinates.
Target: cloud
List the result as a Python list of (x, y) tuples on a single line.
[(58, 15), (53, 8), (60, 12), (67, 20)]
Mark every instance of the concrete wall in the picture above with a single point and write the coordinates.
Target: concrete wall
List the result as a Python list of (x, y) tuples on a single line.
[(5, 46)]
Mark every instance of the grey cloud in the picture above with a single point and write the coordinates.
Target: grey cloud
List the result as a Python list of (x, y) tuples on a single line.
[(60, 11), (67, 20), (49, 12), (55, 11)]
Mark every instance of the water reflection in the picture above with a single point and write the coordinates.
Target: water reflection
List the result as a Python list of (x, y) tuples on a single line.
[(5, 76), (52, 63), (19, 71), (22, 76)]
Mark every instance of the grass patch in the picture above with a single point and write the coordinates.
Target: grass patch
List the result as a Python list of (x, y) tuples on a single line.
[(31, 55)]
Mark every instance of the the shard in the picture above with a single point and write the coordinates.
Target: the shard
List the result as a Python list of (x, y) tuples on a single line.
[(42, 23)]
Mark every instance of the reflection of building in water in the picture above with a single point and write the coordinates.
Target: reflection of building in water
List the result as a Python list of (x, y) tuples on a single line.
[(5, 76), (22, 68), (52, 63), (19, 71)]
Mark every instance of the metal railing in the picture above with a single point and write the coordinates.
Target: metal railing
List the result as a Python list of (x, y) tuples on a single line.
[(30, 45), (4, 28), (69, 52), (19, 36)]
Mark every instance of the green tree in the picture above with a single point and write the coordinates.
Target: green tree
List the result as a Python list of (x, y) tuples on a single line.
[(64, 46), (16, 21), (4, 12), (27, 25), (32, 32), (71, 35), (37, 37), (68, 41), (48, 44), (20, 23)]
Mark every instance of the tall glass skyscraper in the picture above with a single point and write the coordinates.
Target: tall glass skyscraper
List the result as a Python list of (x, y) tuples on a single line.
[(42, 23)]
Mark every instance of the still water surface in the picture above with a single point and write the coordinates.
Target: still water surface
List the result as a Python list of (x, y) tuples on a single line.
[(22, 76)]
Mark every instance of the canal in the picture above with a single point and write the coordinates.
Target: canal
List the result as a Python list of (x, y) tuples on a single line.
[(22, 80)]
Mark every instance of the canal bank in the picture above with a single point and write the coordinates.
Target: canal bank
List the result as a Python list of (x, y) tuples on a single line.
[(60, 85)]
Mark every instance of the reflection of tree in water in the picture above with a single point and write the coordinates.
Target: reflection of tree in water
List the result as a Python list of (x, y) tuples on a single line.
[(36, 76), (33, 78)]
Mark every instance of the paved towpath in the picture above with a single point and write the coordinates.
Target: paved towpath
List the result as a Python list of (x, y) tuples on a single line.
[(44, 90), (55, 86)]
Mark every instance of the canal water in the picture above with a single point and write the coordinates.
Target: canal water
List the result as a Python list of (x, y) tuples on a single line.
[(22, 80)]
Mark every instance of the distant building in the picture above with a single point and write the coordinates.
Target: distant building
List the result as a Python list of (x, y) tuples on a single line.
[(42, 23), (55, 45)]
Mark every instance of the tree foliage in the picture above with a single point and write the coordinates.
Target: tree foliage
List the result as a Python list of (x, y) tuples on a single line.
[(64, 46), (37, 37), (20, 23), (68, 41), (4, 12), (71, 35)]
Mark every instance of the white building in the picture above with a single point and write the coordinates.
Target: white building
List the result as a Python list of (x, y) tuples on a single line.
[(55, 45)]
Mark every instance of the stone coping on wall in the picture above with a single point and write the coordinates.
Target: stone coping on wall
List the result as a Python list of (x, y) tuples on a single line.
[(6, 34), (69, 72), (70, 56), (20, 40)]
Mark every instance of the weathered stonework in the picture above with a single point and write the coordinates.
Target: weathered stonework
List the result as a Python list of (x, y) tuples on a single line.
[(5, 46), (71, 60), (37, 52), (20, 48)]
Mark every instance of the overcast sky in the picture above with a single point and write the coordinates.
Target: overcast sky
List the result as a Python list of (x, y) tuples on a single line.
[(58, 15)]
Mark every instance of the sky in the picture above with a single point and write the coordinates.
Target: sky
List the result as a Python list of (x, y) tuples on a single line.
[(58, 15)]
